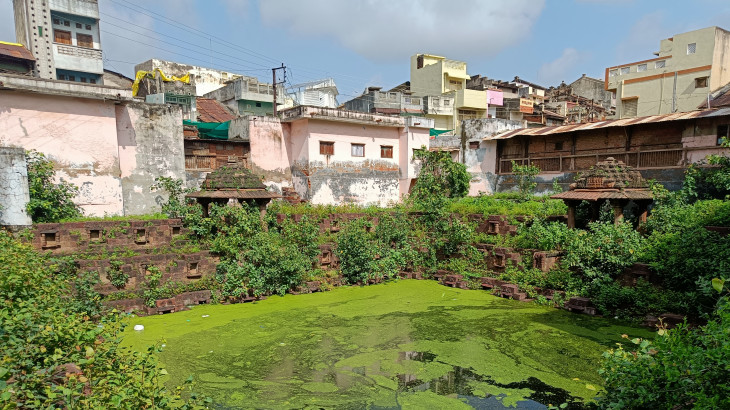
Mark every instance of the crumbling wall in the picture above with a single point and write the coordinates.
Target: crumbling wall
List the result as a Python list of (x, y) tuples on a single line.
[(368, 183), (150, 141), (480, 157), (14, 194), (270, 151), (78, 135)]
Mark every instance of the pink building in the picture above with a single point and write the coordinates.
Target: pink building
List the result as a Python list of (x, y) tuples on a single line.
[(334, 156), (102, 141)]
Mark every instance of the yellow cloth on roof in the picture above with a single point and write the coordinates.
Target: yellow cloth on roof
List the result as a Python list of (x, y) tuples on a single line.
[(142, 74)]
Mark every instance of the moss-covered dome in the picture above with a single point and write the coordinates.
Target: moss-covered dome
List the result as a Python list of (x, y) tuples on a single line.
[(232, 177), (609, 174)]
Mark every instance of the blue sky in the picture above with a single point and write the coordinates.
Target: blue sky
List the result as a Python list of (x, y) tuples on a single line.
[(369, 42)]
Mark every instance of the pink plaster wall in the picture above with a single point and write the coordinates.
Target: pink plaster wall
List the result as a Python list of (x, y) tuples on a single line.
[(346, 134), (270, 148), (78, 134)]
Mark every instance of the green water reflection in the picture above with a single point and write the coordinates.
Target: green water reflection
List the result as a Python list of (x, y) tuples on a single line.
[(408, 344)]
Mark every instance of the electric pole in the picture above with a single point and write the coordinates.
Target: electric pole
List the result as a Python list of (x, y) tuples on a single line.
[(275, 82)]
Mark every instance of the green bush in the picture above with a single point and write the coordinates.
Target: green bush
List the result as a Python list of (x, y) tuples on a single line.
[(542, 235), (356, 251), (524, 176), (604, 251), (54, 355), (49, 202), (681, 369)]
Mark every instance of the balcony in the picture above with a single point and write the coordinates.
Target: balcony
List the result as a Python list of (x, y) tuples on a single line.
[(471, 99), (75, 58), (86, 8), (245, 90), (439, 105)]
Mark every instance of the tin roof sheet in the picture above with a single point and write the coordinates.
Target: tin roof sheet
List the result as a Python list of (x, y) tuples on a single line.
[(16, 51), (610, 123)]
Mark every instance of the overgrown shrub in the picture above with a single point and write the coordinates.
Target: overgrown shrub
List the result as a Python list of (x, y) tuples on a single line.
[(54, 355), (49, 201), (542, 235), (524, 176), (604, 251), (681, 369), (356, 251)]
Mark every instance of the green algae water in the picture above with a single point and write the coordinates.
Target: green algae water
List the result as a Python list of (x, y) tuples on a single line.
[(405, 344)]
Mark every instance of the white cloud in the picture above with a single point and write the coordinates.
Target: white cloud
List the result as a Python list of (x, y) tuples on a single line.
[(562, 68), (388, 30)]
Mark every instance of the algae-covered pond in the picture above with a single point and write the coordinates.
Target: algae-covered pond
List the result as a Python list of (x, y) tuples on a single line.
[(406, 344)]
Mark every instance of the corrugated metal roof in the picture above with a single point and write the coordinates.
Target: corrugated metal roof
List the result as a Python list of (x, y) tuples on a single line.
[(610, 123), (15, 51)]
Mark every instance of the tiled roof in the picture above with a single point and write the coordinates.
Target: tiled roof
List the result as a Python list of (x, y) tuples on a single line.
[(720, 99), (611, 123), (16, 51), (210, 110)]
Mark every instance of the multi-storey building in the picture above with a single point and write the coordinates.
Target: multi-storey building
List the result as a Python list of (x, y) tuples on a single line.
[(688, 67), (63, 35), (437, 76)]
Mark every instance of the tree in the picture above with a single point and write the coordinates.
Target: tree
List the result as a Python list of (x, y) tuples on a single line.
[(49, 202), (525, 178), (439, 176)]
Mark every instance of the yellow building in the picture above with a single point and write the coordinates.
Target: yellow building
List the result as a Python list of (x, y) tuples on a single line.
[(688, 67), (443, 83)]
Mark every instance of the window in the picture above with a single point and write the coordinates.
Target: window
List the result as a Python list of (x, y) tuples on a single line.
[(88, 26), (358, 150), (447, 102), (67, 23), (83, 79), (700, 82), (559, 146), (71, 78), (691, 48), (62, 77), (78, 25), (723, 132), (625, 70), (660, 64), (84, 40), (641, 67), (92, 81), (326, 148), (473, 144), (630, 107), (386, 151), (258, 104), (56, 21), (62, 37), (612, 73)]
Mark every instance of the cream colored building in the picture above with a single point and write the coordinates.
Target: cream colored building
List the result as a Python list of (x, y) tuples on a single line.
[(688, 67), (443, 83)]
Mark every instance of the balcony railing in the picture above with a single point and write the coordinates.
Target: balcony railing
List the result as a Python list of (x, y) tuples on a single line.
[(77, 51), (650, 159)]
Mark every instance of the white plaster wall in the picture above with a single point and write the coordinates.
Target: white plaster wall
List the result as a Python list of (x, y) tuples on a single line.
[(14, 196)]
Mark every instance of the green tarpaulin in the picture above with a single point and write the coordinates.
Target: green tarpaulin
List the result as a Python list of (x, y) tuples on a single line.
[(211, 130), (436, 133)]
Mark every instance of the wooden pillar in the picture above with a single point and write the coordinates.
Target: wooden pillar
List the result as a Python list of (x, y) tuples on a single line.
[(571, 213), (643, 211)]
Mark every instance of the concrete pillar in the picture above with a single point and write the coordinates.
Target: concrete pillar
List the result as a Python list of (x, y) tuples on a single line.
[(14, 192)]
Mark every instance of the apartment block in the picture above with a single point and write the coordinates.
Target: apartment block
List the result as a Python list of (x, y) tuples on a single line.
[(686, 69)]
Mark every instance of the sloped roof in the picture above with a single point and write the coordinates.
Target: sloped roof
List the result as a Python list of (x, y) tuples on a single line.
[(15, 50), (610, 123), (609, 179), (720, 98), (210, 110)]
